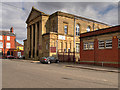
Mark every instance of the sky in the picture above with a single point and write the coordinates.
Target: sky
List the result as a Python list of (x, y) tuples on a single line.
[(15, 14)]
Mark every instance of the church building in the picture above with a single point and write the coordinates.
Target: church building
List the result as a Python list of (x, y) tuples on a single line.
[(56, 34)]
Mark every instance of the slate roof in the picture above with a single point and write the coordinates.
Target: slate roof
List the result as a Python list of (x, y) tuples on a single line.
[(101, 31), (18, 44), (7, 33)]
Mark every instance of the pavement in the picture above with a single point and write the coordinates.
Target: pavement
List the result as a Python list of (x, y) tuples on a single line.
[(96, 68), (82, 66)]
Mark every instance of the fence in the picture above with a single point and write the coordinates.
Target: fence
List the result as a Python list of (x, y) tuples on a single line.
[(66, 56)]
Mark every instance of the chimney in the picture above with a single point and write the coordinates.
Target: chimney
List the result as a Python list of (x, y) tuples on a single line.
[(11, 30)]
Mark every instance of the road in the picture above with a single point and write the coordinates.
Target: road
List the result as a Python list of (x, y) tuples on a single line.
[(17, 74)]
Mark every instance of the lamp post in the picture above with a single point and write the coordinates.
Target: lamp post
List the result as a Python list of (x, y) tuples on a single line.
[(57, 49), (74, 40)]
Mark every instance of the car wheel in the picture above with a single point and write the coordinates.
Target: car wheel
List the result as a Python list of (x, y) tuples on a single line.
[(57, 61), (48, 62)]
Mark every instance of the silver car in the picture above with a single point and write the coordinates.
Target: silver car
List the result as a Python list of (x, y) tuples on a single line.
[(49, 60)]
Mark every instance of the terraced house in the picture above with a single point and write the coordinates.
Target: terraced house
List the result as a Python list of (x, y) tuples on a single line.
[(56, 34)]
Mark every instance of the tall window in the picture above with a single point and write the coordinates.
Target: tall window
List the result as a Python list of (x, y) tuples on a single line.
[(1, 45), (61, 45), (119, 42), (65, 29), (77, 30), (65, 50), (69, 49), (77, 47), (7, 45), (8, 38), (88, 29), (101, 44), (97, 28), (1, 37), (108, 44)]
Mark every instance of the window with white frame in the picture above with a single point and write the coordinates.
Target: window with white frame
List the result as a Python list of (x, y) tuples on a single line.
[(1, 38), (65, 29), (108, 44), (91, 45), (101, 44), (119, 42), (77, 47), (88, 29), (77, 30), (8, 38), (85, 46), (7, 45), (1, 45)]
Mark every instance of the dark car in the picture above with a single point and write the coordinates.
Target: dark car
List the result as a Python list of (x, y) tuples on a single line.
[(49, 60), (10, 57)]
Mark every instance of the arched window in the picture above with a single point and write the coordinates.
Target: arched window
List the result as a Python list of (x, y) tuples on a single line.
[(8, 52), (65, 29), (97, 28), (88, 29), (77, 30)]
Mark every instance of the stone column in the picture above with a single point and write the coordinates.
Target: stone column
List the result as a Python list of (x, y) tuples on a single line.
[(32, 43), (36, 41), (40, 39), (28, 42)]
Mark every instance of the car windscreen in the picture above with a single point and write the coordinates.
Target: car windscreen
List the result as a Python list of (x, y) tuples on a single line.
[(51, 57)]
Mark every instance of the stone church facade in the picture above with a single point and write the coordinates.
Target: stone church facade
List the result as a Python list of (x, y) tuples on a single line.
[(50, 35)]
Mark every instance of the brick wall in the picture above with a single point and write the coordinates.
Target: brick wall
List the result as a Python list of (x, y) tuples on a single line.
[(109, 57)]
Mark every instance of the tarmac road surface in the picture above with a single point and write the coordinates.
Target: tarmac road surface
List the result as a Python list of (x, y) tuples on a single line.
[(16, 74)]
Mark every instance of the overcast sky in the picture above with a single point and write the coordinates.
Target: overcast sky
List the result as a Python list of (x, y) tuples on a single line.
[(15, 13)]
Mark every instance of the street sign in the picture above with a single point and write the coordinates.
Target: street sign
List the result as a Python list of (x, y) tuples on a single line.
[(61, 37)]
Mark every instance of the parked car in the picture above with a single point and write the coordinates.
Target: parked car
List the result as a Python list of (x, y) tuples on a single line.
[(10, 57), (49, 60), (22, 57)]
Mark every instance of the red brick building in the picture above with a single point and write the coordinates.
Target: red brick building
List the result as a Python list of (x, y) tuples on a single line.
[(7, 41), (101, 47), (8, 44)]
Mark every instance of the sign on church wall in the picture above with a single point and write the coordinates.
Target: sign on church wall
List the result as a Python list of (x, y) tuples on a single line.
[(61, 37)]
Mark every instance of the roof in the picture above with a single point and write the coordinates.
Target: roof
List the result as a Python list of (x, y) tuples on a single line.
[(34, 9), (101, 31), (75, 16), (18, 44), (63, 14), (8, 33), (25, 40)]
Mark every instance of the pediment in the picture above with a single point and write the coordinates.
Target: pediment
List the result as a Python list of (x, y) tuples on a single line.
[(33, 14)]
